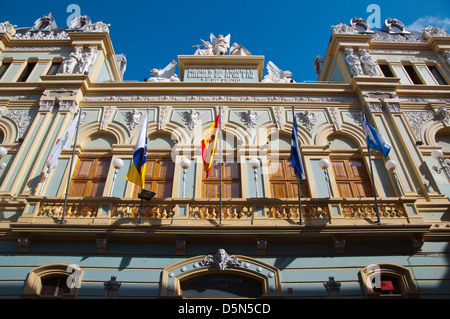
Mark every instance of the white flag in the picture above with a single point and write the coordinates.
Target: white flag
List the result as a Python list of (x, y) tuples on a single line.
[(64, 142)]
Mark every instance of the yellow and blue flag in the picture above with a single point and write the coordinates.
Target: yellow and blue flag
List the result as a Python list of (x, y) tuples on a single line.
[(136, 173)]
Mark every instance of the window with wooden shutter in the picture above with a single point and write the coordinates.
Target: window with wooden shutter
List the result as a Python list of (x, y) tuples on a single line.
[(351, 177), (231, 181), (283, 181), (89, 177), (158, 177)]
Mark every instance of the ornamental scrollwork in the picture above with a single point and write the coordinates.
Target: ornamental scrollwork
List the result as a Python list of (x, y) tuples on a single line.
[(220, 260)]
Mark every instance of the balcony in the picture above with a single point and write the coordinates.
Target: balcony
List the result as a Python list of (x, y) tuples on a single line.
[(236, 212)]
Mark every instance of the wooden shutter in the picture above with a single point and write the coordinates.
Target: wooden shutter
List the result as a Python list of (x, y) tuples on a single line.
[(351, 178), (89, 177), (231, 183), (158, 177), (283, 181)]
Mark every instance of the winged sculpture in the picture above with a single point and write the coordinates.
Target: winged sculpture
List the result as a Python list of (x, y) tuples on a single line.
[(276, 75), (220, 44), (238, 49), (165, 75)]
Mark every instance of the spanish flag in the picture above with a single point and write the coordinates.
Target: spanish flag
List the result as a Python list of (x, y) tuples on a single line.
[(209, 145), (136, 173)]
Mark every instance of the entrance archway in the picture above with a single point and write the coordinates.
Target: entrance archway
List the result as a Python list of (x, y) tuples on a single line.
[(221, 276)]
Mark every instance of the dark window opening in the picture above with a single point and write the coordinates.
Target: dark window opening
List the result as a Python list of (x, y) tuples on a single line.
[(26, 73), (437, 75), (54, 69), (3, 69), (386, 71), (412, 74), (54, 286)]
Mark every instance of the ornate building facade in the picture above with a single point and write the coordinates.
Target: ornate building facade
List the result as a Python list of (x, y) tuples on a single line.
[(379, 226)]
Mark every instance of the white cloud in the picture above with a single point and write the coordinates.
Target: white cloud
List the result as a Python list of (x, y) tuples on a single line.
[(422, 23)]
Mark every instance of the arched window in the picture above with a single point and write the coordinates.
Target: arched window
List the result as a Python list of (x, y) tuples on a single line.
[(385, 280), (351, 175), (53, 281)]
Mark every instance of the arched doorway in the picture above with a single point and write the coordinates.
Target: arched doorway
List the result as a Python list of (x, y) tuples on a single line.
[(220, 276), (221, 285)]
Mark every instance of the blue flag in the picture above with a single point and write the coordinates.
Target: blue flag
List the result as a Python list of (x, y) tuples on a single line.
[(296, 158), (375, 140)]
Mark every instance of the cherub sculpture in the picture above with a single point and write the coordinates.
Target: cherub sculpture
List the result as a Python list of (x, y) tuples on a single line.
[(208, 50), (165, 75)]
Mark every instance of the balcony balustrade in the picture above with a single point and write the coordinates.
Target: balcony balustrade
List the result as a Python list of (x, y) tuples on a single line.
[(109, 210)]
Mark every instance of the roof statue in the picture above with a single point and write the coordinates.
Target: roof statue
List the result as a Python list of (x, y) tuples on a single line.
[(208, 50), (238, 49), (165, 75), (276, 75), (220, 44)]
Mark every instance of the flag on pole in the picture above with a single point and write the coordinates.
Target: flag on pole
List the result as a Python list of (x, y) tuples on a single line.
[(375, 140), (64, 142), (296, 158), (136, 173), (209, 145)]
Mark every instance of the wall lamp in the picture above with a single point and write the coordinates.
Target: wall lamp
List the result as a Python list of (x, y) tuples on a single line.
[(445, 164)]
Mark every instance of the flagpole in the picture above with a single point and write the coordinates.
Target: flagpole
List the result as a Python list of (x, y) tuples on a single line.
[(374, 189), (142, 199), (220, 168), (298, 183), (62, 221)]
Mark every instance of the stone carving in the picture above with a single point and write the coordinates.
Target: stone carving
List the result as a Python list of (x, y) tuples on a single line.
[(133, 118), (191, 118), (220, 44), (276, 75), (165, 75), (394, 26), (278, 110), (250, 118), (7, 27), (220, 260), (431, 31), (343, 28), (360, 25), (69, 64), (163, 111), (22, 119), (354, 62), (374, 107), (318, 62), (447, 56), (393, 107), (63, 35), (46, 105), (356, 117), (80, 23), (107, 112), (87, 60), (369, 65), (334, 112), (98, 27), (208, 50), (238, 49), (417, 119), (308, 119), (442, 114), (67, 105), (44, 23)]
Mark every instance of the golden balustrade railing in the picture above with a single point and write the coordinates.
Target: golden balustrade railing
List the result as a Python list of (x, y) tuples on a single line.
[(324, 209)]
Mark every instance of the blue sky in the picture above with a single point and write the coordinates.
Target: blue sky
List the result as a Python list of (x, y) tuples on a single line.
[(288, 32)]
